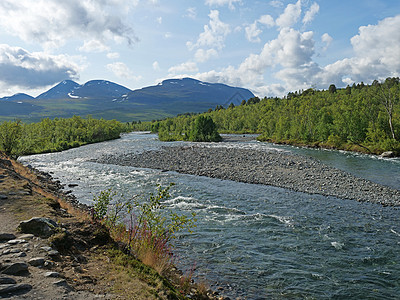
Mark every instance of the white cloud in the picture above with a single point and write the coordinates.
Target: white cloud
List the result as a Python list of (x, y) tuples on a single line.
[(212, 39), (230, 3), (191, 12), (121, 70), (189, 67), (310, 14), (253, 31), (290, 16), (94, 46), (327, 39), (202, 55), (267, 20), (214, 33), (19, 67), (159, 20), (113, 55), (156, 66), (53, 22), (276, 3)]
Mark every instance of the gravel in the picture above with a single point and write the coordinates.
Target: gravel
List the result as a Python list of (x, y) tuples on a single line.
[(281, 169)]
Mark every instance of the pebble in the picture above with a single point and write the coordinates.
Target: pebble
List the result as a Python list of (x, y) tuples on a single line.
[(13, 288), (16, 241), (7, 280), (260, 167), (52, 274)]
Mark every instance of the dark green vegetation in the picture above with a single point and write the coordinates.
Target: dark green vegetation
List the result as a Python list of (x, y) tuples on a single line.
[(362, 118), (108, 100), (196, 129), (17, 138)]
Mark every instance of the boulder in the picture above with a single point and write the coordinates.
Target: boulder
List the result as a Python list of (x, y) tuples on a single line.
[(42, 227), (388, 154)]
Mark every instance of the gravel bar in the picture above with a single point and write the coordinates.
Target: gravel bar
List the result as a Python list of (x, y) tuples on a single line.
[(281, 169)]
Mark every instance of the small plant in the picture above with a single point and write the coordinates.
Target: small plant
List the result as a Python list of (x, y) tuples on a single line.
[(144, 226)]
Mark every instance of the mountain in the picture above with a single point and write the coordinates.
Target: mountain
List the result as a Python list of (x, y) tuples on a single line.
[(17, 97), (60, 91), (189, 90), (108, 100)]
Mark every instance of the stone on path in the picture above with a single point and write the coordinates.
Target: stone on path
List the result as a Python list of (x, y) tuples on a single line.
[(42, 227), (36, 261), (6, 236), (14, 268), (7, 280), (52, 274), (14, 288)]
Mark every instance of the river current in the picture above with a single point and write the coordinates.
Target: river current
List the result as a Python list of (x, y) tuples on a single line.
[(256, 241)]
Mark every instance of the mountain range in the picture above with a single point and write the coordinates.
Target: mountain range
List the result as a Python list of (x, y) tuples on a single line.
[(109, 100)]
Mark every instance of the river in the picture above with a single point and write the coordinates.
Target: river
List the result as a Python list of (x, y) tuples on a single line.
[(256, 241)]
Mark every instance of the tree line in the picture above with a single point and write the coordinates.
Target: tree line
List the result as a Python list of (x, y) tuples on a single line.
[(17, 138), (360, 117)]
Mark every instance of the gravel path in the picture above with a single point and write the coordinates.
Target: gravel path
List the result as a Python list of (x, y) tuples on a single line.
[(281, 169)]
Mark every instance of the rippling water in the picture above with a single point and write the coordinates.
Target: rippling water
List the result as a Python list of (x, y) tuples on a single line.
[(261, 242)]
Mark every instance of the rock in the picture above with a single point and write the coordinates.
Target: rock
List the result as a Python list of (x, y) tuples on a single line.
[(72, 185), (27, 236), (7, 280), (3, 197), (53, 253), (46, 248), (16, 241), (388, 154), (14, 268), (14, 288), (6, 236), (52, 274), (36, 261), (21, 254), (42, 227)]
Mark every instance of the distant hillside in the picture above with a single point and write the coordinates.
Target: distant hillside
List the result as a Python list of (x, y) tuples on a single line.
[(108, 100), (189, 90)]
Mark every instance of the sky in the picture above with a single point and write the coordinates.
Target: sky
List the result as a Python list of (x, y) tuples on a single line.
[(271, 47)]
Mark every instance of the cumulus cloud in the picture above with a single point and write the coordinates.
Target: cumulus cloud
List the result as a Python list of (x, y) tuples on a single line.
[(230, 3), (290, 16), (121, 70), (310, 14), (327, 40), (53, 22), (253, 31), (94, 46), (212, 39), (188, 67), (21, 68)]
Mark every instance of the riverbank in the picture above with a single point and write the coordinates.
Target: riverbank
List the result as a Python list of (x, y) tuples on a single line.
[(281, 169), (78, 260)]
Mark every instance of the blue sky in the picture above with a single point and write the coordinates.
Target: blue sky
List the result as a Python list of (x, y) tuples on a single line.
[(270, 47)]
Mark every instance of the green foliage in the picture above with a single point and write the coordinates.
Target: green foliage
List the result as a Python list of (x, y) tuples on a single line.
[(56, 135), (361, 117), (10, 136), (144, 225), (204, 130)]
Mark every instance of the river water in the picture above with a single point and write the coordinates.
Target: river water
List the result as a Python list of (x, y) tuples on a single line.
[(255, 241)]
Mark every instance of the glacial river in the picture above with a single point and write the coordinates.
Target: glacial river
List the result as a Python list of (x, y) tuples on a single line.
[(255, 241)]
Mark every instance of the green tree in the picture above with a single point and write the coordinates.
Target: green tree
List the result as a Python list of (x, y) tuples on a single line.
[(10, 135), (204, 130)]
